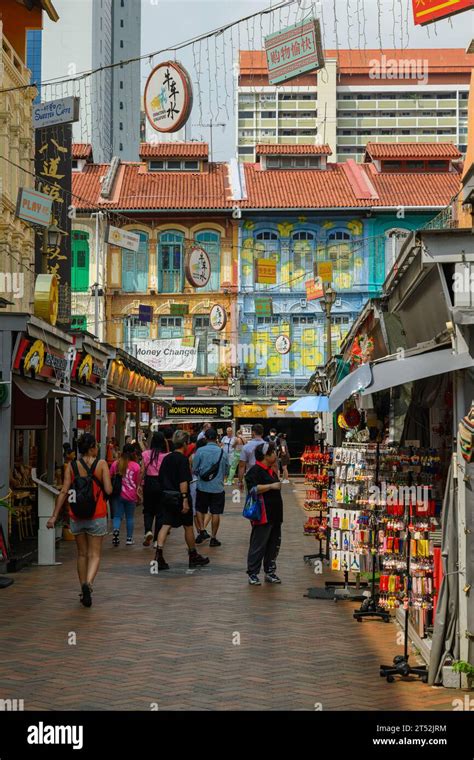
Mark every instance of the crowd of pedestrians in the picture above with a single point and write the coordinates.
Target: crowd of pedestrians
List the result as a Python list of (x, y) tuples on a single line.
[(180, 481)]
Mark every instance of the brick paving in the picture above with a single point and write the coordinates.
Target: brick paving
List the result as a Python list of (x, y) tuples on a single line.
[(168, 639)]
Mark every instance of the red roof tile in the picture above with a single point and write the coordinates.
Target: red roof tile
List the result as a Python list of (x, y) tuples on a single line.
[(82, 150), (291, 150), (135, 189), (174, 150), (439, 60), (411, 150)]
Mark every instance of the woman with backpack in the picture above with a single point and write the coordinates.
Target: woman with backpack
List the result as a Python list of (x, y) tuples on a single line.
[(86, 484), (126, 477), (152, 459)]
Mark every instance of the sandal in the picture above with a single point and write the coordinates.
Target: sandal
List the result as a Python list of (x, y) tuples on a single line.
[(85, 597)]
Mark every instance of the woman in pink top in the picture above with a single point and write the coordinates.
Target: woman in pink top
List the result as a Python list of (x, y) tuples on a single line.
[(126, 479), (152, 459)]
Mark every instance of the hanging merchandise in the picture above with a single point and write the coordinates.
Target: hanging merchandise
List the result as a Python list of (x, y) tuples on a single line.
[(466, 435), (316, 466)]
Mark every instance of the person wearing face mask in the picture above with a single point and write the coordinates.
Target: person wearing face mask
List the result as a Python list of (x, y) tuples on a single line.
[(265, 539), (274, 439)]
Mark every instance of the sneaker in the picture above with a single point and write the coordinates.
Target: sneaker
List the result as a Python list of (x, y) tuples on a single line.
[(203, 535), (155, 544), (285, 481), (215, 542), (195, 560), (116, 538), (130, 541), (272, 578), (254, 580), (148, 538), (86, 598)]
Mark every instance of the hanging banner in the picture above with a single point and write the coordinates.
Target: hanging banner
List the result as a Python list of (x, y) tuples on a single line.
[(197, 267), (168, 355), (218, 317), (427, 11), (34, 207), (263, 307), (325, 271), (294, 50), (266, 271), (122, 238), (168, 97), (202, 408), (53, 162), (314, 289)]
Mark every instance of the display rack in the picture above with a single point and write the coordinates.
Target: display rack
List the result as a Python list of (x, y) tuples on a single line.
[(316, 466)]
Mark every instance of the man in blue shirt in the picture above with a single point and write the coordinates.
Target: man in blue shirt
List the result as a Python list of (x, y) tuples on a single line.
[(210, 492)]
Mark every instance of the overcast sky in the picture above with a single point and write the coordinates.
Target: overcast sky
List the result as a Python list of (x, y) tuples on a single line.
[(359, 24)]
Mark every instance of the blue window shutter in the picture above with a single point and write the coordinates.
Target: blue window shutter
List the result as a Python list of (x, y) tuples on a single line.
[(128, 271)]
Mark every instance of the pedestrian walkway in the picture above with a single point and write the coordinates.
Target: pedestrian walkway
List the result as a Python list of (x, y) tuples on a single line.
[(201, 640)]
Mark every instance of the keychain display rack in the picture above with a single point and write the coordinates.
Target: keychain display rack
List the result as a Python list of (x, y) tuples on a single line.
[(316, 466)]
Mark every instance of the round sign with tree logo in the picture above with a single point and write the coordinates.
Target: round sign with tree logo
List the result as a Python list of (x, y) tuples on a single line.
[(168, 97), (283, 344), (218, 317), (197, 267)]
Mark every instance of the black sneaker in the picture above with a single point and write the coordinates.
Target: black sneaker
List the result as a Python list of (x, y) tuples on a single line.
[(254, 580), (215, 542), (86, 598), (272, 578), (195, 560), (202, 536), (116, 538), (162, 564)]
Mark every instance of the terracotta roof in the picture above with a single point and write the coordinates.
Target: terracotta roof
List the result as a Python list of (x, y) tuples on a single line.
[(82, 150), (440, 60), (411, 150), (136, 189), (313, 189), (292, 150), (174, 150)]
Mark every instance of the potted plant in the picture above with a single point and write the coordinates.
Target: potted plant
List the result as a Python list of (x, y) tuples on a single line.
[(464, 668)]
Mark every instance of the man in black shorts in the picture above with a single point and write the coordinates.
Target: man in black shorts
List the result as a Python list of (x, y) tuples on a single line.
[(211, 460), (174, 480)]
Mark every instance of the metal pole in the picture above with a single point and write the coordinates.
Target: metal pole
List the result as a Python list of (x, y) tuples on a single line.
[(97, 275), (44, 257), (328, 333)]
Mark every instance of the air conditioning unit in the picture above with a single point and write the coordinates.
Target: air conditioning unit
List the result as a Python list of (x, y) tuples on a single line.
[(303, 303)]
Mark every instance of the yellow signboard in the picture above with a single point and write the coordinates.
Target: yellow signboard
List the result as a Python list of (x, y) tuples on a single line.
[(46, 298), (266, 271), (325, 270)]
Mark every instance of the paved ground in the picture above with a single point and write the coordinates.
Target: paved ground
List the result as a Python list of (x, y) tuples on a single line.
[(170, 639)]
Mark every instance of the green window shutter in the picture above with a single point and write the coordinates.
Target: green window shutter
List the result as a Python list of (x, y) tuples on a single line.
[(80, 261)]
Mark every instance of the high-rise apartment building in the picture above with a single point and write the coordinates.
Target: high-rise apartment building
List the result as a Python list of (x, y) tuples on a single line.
[(33, 58), (360, 96), (96, 34)]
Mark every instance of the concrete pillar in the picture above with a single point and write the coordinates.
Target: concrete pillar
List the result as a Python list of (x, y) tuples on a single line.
[(327, 106), (121, 407), (50, 439)]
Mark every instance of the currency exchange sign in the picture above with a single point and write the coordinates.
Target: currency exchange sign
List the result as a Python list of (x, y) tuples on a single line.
[(294, 50)]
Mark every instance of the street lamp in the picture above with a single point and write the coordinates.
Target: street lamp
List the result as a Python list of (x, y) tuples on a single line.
[(51, 239), (327, 302)]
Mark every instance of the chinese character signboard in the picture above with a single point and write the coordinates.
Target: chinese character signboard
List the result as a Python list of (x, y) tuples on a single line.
[(293, 51), (60, 111), (427, 11), (179, 309), (266, 271), (325, 271), (197, 267), (145, 313), (122, 238), (283, 344), (314, 289), (263, 307), (34, 207), (53, 159), (168, 97), (218, 317)]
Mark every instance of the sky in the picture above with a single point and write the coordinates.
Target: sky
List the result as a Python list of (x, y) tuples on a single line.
[(359, 24)]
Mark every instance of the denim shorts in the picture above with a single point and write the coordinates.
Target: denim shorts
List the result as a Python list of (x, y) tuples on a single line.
[(97, 527)]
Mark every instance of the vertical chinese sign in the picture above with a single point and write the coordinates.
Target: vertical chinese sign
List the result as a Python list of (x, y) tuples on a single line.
[(53, 162)]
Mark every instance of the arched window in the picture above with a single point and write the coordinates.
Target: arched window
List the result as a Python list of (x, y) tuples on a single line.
[(135, 266), (267, 246), (211, 242), (394, 240), (80, 261), (170, 262), (302, 256)]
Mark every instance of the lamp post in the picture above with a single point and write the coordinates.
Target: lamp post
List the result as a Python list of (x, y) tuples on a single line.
[(327, 302), (51, 238)]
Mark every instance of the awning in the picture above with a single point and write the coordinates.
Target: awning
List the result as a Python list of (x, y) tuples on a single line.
[(309, 404), (380, 376), (85, 391), (34, 389), (352, 383)]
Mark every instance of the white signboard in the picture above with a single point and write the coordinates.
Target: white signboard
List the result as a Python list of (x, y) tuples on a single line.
[(283, 344), (122, 238), (197, 267), (168, 97), (218, 317), (53, 112), (171, 355)]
